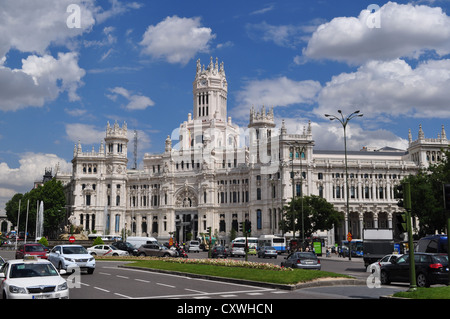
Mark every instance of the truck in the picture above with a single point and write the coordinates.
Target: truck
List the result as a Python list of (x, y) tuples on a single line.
[(377, 243)]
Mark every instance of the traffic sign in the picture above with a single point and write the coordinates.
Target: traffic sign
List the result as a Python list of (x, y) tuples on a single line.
[(349, 236), (71, 239)]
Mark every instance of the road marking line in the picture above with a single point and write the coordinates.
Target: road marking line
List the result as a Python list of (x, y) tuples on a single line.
[(255, 294), (228, 296), (102, 289), (197, 291), (142, 280), (120, 295), (104, 273), (170, 286), (124, 277)]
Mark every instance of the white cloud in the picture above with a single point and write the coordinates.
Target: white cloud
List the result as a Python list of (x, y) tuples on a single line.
[(135, 101), (31, 168), (281, 35), (41, 79), (84, 133), (277, 92), (390, 89), (405, 31), (176, 39), (31, 26)]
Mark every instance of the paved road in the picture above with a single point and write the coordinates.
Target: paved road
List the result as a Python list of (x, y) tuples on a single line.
[(112, 282)]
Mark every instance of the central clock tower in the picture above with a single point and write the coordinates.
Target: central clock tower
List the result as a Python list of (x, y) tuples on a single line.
[(210, 92)]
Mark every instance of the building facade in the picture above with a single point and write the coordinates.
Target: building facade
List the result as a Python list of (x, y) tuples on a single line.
[(216, 174)]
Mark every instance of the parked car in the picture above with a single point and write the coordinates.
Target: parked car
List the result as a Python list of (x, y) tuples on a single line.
[(302, 260), (156, 250), (267, 251), (31, 249), (32, 278), (106, 250), (68, 256), (237, 249), (430, 269), (376, 266), (2, 261), (193, 246), (124, 245), (219, 252)]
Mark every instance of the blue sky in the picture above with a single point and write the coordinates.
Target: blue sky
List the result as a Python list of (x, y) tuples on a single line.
[(135, 61)]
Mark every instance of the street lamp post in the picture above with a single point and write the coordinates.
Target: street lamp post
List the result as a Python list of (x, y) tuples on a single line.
[(344, 122), (300, 150)]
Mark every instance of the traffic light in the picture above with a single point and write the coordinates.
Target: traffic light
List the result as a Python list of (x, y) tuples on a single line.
[(241, 226), (401, 222), (248, 226), (398, 194)]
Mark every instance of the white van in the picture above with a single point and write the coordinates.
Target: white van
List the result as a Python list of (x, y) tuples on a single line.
[(139, 241)]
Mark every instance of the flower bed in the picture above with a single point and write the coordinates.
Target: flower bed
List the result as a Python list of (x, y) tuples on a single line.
[(211, 262)]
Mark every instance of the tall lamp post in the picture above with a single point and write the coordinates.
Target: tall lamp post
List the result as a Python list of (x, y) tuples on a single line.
[(344, 122)]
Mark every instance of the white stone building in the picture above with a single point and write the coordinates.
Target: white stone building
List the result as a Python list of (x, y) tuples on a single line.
[(218, 174)]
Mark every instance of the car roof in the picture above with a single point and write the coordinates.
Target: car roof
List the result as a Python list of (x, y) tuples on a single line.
[(31, 261)]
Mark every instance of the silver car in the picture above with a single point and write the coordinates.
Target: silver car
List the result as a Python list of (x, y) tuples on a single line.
[(302, 260), (238, 249), (267, 251), (156, 250), (68, 256)]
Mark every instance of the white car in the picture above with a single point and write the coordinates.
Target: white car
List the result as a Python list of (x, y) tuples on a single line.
[(106, 250), (375, 267), (194, 246), (72, 256), (32, 278)]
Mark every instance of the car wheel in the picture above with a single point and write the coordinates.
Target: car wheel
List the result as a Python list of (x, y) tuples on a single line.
[(166, 255), (384, 278), (422, 280), (142, 254), (90, 271), (4, 295), (93, 254), (115, 254)]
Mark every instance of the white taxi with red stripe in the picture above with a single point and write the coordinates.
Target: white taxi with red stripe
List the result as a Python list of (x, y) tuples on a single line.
[(32, 278), (106, 250)]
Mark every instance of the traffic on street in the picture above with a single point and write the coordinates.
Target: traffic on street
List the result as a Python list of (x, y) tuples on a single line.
[(110, 281)]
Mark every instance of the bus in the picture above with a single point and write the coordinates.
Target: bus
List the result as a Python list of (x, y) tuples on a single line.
[(433, 244), (279, 243), (252, 241), (356, 247)]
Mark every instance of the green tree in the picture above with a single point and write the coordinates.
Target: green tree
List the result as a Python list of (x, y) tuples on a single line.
[(52, 194), (318, 214), (427, 200)]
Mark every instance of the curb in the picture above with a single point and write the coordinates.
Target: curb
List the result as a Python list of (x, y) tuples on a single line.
[(315, 283)]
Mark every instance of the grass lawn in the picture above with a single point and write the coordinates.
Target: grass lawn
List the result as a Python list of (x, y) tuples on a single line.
[(426, 293), (263, 275)]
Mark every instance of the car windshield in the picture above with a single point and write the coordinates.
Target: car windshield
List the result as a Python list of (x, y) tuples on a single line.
[(74, 250), (32, 270), (270, 248), (34, 248)]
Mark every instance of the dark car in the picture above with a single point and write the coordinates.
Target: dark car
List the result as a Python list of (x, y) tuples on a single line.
[(302, 260), (267, 251), (219, 252), (430, 269), (123, 245), (31, 249)]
